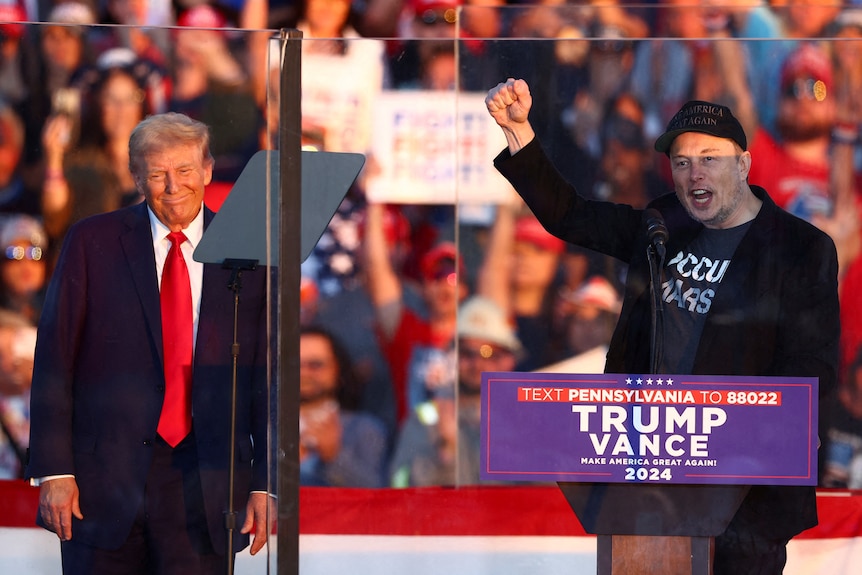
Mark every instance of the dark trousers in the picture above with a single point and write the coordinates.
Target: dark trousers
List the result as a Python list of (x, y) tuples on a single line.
[(169, 535)]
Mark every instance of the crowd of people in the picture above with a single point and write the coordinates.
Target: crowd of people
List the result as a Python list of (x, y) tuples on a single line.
[(602, 107), (404, 305)]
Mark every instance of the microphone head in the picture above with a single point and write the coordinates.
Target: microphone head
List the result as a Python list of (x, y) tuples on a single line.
[(656, 228)]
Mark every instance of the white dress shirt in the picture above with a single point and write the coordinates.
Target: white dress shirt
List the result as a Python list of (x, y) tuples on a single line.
[(161, 245)]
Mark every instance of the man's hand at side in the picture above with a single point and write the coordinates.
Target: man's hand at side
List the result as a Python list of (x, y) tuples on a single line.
[(259, 514), (58, 502)]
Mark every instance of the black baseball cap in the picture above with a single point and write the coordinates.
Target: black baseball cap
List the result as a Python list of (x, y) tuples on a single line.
[(706, 117)]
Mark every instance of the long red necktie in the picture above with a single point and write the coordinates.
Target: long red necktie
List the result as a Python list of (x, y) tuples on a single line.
[(175, 421)]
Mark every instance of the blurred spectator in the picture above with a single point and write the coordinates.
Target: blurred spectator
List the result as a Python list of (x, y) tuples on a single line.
[(439, 443), (152, 75), (17, 193), (589, 315), (94, 177), (331, 48), (429, 19), (435, 19), (397, 18), (427, 27), (843, 444), (309, 298), (13, 49), (592, 53), (377, 18), (807, 18), (796, 20), (64, 50), (625, 173), (576, 266), (594, 79), (140, 28), (23, 269), (848, 87), (64, 45), (482, 18), (682, 64), (850, 392), (806, 108), (439, 68), (847, 64), (338, 445), (205, 40), (520, 273), (17, 343), (563, 31), (250, 44), (608, 66), (345, 307), (211, 85), (809, 169), (335, 262), (285, 13), (752, 21), (326, 27), (142, 13), (420, 350)]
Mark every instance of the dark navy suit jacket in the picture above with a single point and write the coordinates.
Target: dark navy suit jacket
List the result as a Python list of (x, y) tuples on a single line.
[(98, 381)]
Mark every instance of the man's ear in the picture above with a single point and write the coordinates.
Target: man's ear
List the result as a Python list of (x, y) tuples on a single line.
[(744, 164), (208, 171)]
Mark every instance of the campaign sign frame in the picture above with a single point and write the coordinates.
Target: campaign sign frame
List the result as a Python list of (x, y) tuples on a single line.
[(653, 429)]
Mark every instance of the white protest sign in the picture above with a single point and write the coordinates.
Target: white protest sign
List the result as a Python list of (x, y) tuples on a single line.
[(432, 147)]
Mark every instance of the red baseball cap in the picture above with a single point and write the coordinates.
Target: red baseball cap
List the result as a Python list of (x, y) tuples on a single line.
[(11, 18), (202, 16), (440, 261), (807, 61), (396, 227), (420, 6), (528, 229)]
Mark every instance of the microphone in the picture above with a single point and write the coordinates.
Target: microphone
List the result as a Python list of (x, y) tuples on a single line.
[(657, 235), (656, 230)]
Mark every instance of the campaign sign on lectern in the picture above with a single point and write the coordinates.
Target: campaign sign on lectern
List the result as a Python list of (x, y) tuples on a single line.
[(657, 429)]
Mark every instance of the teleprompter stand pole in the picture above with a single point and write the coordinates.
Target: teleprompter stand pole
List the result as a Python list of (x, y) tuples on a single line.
[(237, 266)]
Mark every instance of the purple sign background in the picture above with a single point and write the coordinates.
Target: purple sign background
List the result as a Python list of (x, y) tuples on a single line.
[(613, 428)]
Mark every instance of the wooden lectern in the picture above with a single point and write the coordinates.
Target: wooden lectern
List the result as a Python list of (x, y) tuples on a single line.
[(646, 529)]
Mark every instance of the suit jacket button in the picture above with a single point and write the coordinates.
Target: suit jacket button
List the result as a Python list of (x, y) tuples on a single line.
[(148, 442), (160, 388)]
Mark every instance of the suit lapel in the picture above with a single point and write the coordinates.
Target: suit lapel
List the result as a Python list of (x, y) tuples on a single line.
[(211, 288), (137, 245)]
